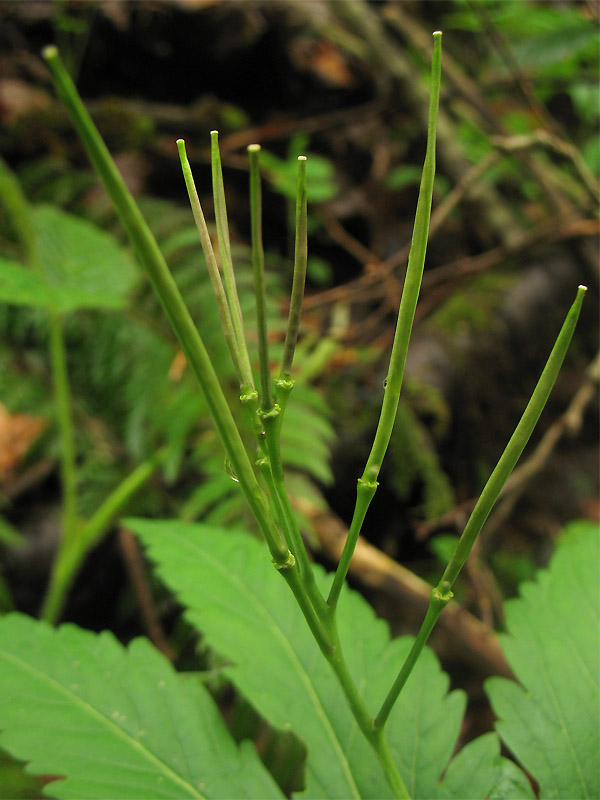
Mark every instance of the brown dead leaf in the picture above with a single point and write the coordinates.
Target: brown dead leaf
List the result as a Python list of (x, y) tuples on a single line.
[(324, 60), (17, 99), (177, 367), (17, 433)]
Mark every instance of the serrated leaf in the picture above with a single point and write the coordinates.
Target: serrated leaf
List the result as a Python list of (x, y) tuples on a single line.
[(80, 266), (248, 615), (22, 287), (479, 771), (551, 720), (85, 266), (115, 723)]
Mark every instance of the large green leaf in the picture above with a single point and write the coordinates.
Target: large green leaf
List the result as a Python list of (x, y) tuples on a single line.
[(80, 266), (479, 771), (247, 613), (22, 287), (115, 723), (551, 720)]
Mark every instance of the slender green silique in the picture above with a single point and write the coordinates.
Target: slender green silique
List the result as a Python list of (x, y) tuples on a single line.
[(442, 593), (367, 484), (258, 268), (299, 279), (213, 267), (270, 413), (227, 261), (162, 281)]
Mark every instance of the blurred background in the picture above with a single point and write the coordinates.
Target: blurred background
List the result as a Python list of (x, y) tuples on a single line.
[(514, 231)]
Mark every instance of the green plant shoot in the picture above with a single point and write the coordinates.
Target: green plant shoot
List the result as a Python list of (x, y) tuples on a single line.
[(262, 479)]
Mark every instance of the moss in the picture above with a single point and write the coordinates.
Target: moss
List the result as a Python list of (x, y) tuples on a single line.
[(471, 309)]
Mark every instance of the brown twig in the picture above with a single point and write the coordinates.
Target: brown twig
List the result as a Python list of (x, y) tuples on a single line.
[(139, 580), (514, 143)]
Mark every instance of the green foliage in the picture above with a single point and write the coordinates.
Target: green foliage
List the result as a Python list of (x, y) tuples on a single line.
[(123, 723), (480, 771), (115, 723), (551, 720), (472, 310), (281, 173), (15, 783), (111, 738), (247, 615), (79, 267)]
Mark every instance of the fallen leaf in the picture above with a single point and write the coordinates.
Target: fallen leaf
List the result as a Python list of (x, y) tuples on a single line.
[(17, 433)]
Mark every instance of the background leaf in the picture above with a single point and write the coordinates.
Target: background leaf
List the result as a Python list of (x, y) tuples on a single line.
[(247, 613), (85, 266), (116, 723), (80, 266), (20, 286), (551, 721)]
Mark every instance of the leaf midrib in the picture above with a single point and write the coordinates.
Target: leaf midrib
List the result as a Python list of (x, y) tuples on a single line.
[(293, 657), (94, 713)]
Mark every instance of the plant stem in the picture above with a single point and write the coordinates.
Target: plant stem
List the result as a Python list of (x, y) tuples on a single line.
[(287, 520), (62, 395), (166, 290), (227, 261), (258, 267), (213, 268), (442, 593), (73, 549), (437, 603), (300, 258), (365, 722), (367, 484), (321, 619)]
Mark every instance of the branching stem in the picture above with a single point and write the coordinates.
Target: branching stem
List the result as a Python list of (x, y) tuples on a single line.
[(406, 314), (442, 593)]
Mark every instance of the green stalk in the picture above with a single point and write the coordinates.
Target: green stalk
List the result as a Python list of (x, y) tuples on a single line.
[(300, 257), (62, 396), (213, 268), (442, 593), (287, 520), (166, 290), (226, 259), (258, 268), (375, 737), (73, 549), (367, 484), (270, 413), (321, 620)]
